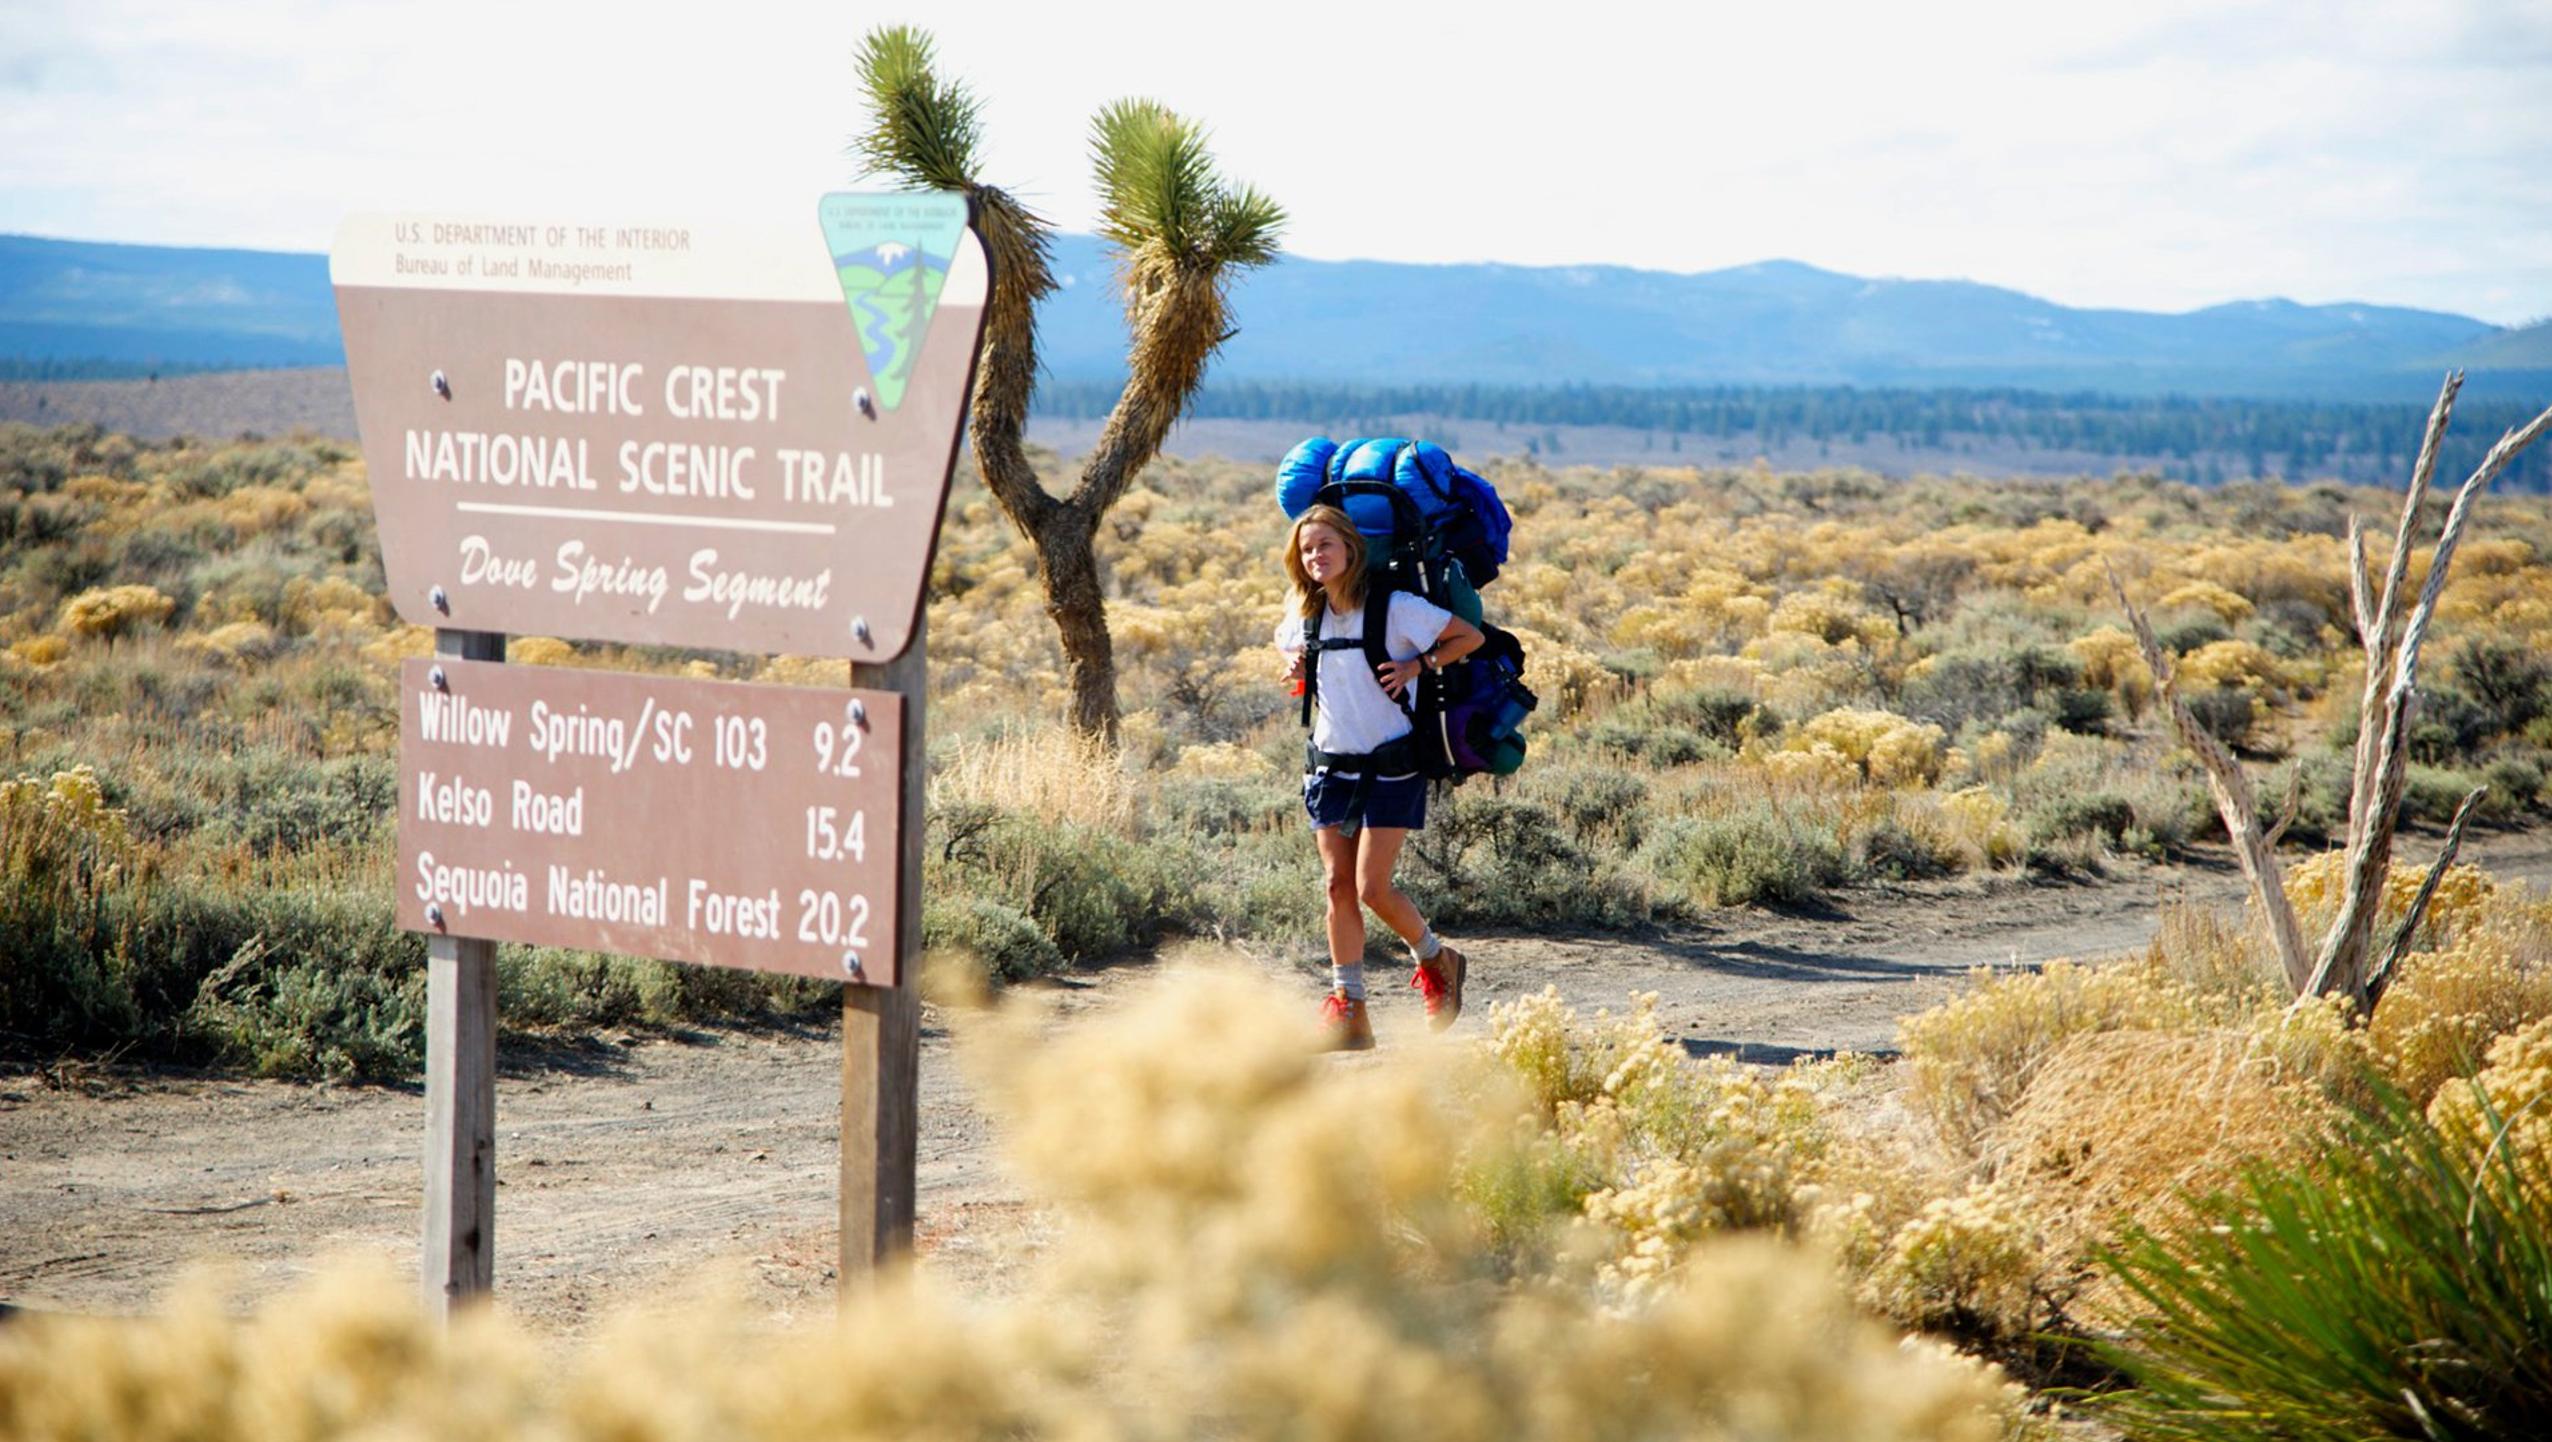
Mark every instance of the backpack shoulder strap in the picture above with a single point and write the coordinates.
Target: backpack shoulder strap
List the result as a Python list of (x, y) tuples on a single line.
[(1377, 639), (1311, 661)]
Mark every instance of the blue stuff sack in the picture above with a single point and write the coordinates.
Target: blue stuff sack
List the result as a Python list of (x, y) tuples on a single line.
[(1456, 503)]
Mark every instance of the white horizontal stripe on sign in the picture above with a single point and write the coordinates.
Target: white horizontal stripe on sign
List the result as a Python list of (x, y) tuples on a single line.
[(653, 518)]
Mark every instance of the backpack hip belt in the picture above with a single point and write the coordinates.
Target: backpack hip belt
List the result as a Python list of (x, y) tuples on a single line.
[(1396, 757)]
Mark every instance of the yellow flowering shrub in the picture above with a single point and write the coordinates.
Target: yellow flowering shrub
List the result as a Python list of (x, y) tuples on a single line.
[(71, 801), (2437, 1019), (1684, 1149), (45, 650), (236, 641), (107, 612), (1971, 1263), (2229, 663), (2111, 662), (1884, 748), (1980, 821), (1563, 678), (255, 510), (2316, 885), (2230, 607), (1832, 613), (2509, 1103)]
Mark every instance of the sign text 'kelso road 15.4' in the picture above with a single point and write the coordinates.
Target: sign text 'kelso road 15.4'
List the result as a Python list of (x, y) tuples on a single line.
[(700, 821), (733, 435)]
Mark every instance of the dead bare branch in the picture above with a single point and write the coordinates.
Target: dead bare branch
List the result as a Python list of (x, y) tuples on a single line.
[(2361, 605), (2400, 947), (2378, 644), (2294, 804), (2341, 965), (2234, 801)]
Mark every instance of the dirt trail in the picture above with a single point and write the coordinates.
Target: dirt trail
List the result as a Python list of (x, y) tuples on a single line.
[(623, 1164)]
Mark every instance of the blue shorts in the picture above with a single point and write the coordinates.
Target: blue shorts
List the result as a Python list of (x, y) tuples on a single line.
[(1331, 800)]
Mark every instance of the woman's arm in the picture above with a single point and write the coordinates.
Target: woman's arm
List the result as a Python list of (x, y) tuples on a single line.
[(1458, 639)]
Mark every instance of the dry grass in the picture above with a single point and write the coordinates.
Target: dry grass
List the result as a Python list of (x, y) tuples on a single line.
[(2123, 1127), (1052, 774), (1971, 1061)]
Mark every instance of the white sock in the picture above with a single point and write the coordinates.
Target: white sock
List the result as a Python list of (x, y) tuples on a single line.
[(1428, 945), (1348, 981)]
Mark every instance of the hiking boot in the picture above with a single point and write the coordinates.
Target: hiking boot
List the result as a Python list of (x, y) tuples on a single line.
[(1440, 982), (1343, 1019)]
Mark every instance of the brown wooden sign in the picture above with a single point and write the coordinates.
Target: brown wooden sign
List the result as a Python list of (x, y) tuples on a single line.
[(734, 436), (700, 821)]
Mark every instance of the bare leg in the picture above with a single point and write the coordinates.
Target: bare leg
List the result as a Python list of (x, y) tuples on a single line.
[(1346, 921), (1375, 859)]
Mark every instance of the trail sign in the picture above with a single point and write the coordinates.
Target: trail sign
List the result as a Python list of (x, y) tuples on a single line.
[(734, 435), (701, 821)]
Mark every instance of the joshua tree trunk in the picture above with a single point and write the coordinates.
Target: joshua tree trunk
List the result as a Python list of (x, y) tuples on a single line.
[(2344, 962), (1073, 599)]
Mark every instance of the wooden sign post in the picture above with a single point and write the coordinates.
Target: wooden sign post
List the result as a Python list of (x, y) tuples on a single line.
[(882, 1028), (736, 436), (460, 1087)]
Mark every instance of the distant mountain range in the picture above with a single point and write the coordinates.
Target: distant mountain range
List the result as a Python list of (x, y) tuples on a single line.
[(75, 307)]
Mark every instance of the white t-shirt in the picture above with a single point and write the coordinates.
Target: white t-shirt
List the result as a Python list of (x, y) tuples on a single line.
[(1354, 713)]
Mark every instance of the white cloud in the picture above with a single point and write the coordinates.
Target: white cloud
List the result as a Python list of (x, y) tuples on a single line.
[(2166, 156)]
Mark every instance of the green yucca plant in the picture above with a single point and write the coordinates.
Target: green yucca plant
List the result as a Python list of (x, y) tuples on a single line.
[(2401, 1288)]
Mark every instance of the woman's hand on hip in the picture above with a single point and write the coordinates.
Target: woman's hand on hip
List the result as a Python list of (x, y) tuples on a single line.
[(1396, 675)]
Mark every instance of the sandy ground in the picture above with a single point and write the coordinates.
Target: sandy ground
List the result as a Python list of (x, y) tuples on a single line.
[(626, 1163)]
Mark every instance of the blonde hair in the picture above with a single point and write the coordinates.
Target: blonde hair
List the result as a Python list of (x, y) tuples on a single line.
[(1310, 592)]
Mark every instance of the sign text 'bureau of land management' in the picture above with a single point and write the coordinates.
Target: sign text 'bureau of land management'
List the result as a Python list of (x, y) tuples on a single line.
[(704, 821), (734, 435)]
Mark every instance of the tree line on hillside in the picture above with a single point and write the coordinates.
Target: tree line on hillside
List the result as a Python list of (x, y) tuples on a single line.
[(2210, 438)]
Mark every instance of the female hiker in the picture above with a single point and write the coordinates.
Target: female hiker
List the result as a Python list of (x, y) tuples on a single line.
[(1361, 785)]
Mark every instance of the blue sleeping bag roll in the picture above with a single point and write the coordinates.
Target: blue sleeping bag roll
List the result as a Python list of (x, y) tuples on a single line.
[(1422, 471), (1302, 473)]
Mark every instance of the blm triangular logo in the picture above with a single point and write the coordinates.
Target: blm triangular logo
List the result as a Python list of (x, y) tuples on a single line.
[(892, 253)]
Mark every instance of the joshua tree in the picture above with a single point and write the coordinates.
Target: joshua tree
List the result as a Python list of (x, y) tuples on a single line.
[(1181, 232), (2346, 962)]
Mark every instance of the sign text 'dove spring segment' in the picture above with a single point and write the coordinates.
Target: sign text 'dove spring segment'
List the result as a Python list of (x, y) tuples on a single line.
[(734, 435), (702, 821)]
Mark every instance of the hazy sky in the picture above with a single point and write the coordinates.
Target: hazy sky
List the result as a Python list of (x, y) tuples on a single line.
[(2156, 155)]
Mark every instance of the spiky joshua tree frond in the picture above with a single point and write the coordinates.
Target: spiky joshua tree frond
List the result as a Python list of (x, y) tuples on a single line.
[(1159, 191), (922, 130)]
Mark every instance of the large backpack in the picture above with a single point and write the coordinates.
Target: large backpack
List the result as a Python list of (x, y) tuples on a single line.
[(1467, 718)]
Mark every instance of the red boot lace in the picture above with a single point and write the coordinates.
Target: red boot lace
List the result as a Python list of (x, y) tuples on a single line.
[(1429, 984)]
